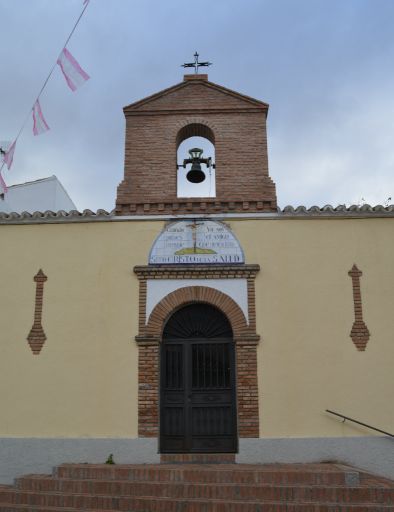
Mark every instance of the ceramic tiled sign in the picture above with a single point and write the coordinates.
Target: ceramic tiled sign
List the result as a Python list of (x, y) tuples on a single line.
[(196, 242)]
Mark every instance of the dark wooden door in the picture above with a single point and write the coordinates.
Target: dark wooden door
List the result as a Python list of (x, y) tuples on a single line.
[(197, 402)]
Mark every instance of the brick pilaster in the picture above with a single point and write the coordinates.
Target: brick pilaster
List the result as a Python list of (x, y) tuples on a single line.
[(247, 387), (148, 388)]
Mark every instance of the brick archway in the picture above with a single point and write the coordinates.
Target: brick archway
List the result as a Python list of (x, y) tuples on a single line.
[(149, 339), (181, 125), (195, 130), (192, 294)]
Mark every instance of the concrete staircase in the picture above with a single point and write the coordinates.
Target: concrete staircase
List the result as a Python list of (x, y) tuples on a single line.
[(200, 488)]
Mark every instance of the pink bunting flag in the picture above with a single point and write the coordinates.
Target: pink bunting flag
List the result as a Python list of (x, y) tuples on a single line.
[(73, 73), (3, 186), (9, 156), (39, 123)]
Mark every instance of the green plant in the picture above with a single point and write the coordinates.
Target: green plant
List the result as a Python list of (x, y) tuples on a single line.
[(110, 459)]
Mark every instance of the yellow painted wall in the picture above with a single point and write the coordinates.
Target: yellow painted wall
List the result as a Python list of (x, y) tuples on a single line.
[(304, 301), (84, 382)]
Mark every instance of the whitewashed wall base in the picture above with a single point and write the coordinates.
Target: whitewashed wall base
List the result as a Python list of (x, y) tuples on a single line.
[(372, 454), (21, 456)]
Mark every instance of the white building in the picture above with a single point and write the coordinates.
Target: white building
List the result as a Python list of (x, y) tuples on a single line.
[(39, 195)]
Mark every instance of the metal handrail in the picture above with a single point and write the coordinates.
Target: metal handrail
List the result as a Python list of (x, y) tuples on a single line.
[(359, 423)]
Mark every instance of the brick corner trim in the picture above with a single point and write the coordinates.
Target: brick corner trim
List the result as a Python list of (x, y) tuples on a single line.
[(359, 333), (37, 337), (149, 337)]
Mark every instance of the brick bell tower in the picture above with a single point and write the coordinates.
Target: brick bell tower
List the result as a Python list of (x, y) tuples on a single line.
[(155, 127)]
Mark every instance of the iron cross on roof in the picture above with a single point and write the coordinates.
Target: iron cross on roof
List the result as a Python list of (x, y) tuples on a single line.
[(196, 64)]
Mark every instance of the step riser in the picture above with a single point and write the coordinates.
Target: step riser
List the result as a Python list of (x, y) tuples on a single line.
[(203, 476), (198, 458), (226, 492), (200, 488), (145, 506), (128, 502)]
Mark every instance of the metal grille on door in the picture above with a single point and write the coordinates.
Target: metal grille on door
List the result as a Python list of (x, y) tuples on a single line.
[(198, 412)]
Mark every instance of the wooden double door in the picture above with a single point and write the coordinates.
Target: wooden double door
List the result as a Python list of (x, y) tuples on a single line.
[(197, 392)]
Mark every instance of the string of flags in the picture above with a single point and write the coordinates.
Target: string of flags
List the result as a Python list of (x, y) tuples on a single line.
[(74, 76)]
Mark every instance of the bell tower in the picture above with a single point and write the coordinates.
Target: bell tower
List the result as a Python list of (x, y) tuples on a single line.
[(233, 123)]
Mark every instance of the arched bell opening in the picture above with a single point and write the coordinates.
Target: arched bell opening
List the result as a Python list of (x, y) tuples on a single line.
[(196, 161), (197, 382)]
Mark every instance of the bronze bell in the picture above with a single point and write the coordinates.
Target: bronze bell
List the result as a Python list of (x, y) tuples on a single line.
[(196, 174)]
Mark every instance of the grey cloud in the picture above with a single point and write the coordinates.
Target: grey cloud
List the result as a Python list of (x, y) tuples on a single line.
[(324, 67)]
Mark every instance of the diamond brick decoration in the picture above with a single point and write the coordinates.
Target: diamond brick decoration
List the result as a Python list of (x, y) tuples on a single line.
[(359, 333), (36, 337)]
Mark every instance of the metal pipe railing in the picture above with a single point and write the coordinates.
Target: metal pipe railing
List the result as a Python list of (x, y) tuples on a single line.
[(359, 423)]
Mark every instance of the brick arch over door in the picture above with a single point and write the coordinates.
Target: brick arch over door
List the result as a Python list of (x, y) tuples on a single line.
[(245, 339), (192, 294)]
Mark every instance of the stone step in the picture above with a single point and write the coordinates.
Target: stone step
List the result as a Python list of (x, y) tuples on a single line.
[(181, 505), (262, 492), (311, 474), (200, 488), (197, 458)]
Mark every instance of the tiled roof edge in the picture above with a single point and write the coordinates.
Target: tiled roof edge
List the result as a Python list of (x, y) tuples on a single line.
[(50, 216), (340, 211)]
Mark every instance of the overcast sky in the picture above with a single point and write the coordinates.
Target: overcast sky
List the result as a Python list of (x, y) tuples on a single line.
[(326, 67)]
